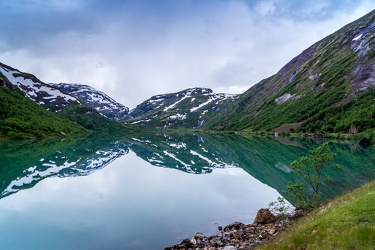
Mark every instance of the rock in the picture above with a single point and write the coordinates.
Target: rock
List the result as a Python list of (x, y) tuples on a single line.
[(197, 238), (230, 248), (238, 235), (353, 129), (234, 226), (250, 230), (272, 231), (264, 216)]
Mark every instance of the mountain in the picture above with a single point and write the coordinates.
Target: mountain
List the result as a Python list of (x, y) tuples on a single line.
[(28, 107), (21, 117), (189, 108), (43, 94), (95, 99), (54, 97), (328, 87)]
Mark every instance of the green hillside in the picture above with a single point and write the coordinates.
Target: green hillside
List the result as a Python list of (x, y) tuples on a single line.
[(328, 87), (22, 118), (346, 223)]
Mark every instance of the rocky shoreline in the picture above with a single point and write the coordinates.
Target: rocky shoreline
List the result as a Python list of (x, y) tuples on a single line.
[(241, 236)]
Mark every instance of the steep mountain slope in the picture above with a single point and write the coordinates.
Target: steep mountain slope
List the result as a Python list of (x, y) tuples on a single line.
[(307, 90), (189, 108), (22, 118), (95, 99), (43, 94)]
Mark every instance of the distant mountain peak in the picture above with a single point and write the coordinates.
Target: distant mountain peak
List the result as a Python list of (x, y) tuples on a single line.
[(188, 108), (96, 99)]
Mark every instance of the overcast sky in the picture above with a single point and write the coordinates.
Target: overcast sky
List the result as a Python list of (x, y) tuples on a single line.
[(134, 49)]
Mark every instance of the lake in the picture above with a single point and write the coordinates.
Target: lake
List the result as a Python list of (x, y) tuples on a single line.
[(150, 191)]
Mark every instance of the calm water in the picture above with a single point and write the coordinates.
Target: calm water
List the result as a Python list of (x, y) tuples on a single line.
[(149, 192)]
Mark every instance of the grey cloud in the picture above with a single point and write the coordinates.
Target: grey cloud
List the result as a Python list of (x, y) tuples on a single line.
[(135, 49)]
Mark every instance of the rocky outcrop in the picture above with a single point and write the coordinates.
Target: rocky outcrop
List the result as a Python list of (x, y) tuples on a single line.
[(286, 97)]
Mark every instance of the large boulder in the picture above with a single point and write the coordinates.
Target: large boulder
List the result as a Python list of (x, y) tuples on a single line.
[(264, 216)]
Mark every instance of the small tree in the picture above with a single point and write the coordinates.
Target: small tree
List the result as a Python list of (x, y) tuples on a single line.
[(310, 168)]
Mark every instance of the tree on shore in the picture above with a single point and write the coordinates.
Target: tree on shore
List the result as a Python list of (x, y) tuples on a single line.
[(311, 168)]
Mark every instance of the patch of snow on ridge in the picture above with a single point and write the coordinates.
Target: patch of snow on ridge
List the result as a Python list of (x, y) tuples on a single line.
[(214, 97), (174, 104), (32, 89), (357, 37), (156, 100), (178, 116), (286, 97), (201, 105)]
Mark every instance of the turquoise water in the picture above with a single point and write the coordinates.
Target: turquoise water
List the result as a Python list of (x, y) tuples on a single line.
[(149, 192)]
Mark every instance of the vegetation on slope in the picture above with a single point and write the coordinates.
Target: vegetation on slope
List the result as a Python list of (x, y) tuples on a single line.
[(358, 112), (320, 81), (22, 118), (346, 223)]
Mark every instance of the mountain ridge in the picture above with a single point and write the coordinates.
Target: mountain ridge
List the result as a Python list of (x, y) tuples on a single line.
[(327, 74), (188, 108), (96, 99)]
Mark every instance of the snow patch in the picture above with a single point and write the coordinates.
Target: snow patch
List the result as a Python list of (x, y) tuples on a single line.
[(357, 37), (178, 116)]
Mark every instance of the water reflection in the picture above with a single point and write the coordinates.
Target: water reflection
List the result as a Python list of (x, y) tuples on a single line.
[(152, 190), (265, 158), (23, 164)]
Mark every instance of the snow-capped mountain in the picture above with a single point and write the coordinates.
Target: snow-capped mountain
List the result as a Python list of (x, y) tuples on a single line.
[(93, 98), (54, 97), (188, 108), (43, 94)]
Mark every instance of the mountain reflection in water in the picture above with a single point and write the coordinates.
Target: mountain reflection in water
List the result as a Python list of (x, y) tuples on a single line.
[(25, 163)]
